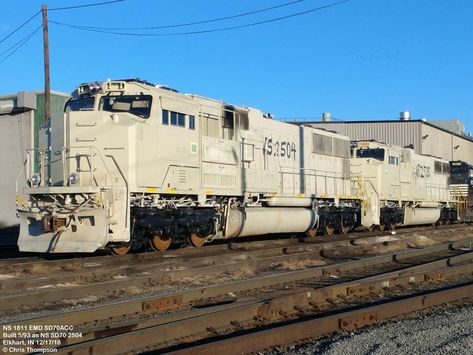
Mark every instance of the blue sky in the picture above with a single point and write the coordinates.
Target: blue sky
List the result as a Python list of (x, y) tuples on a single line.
[(361, 60)]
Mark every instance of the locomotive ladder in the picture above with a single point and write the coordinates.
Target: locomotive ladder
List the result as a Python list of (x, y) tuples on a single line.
[(363, 190)]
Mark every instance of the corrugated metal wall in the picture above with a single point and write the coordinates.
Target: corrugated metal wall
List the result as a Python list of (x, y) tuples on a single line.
[(446, 145), (425, 138), (12, 155), (436, 142), (400, 133), (462, 149), (12, 145)]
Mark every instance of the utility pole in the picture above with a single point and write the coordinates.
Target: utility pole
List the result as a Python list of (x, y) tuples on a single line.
[(47, 88)]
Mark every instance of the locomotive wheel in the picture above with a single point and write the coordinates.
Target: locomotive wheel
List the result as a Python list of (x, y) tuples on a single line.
[(196, 241), (329, 229), (392, 226), (344, 228), (158, 243), (120, 249), (381, 227), (311, 233)]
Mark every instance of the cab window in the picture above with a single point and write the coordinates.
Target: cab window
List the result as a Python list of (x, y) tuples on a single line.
[(191, 122), (376, 153), (138, 105), (177, 119), (82, 104)]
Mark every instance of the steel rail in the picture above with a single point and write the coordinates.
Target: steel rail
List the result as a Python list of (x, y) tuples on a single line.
[(47, 265), (101, 272), (93, 271), (36, 262), (51, 262), (346, 320), (356, 287), (222, 320), (229, 263), (36, 297), (216, 293)]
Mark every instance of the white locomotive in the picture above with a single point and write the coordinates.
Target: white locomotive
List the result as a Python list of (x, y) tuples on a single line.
[(401, 187), (131, 165)]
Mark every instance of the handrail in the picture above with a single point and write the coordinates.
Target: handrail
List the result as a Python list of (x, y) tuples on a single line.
[(312, 172), (63, 160), (126, 185), (364, 191), (92, 148), (374, 189), (21, 171), (27, 170), (90, 158)]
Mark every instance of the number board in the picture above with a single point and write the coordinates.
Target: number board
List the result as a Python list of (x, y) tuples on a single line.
[(276, 148)]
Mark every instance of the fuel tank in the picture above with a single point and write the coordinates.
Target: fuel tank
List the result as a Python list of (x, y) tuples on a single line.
[(420, 215), (267, 220)]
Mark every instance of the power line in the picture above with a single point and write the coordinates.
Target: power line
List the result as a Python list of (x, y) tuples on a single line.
[(197, 22), (55, 9), (19, 44), (86, 5), (10, 48), (201, 31), (21, 26)]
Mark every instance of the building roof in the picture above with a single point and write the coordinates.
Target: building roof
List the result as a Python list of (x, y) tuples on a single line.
[(53, 92)]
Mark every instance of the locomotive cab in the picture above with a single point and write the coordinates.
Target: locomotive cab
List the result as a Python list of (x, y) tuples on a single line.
[(77, 198)]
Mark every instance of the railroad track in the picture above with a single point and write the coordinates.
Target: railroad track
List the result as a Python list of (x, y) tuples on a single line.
[(177, 331), (174, 291), (39, 266), (344, 320), (56, 283), (215, 311), (9, 254)]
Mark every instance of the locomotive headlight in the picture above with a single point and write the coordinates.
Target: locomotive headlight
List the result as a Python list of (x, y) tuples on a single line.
[(95, 87), (74, 178), (35, 180)]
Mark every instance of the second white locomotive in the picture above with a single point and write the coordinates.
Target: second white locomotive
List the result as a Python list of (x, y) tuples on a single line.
[(401, 187)]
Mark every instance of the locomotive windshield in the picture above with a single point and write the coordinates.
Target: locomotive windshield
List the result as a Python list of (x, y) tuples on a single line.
[(376, 153), (82, 104), (138, 105)]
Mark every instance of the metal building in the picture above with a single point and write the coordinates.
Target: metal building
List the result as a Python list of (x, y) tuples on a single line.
[(21, 116), (426, 137)]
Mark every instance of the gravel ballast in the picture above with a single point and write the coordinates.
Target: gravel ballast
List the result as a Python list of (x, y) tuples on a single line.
[(444, 330)]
